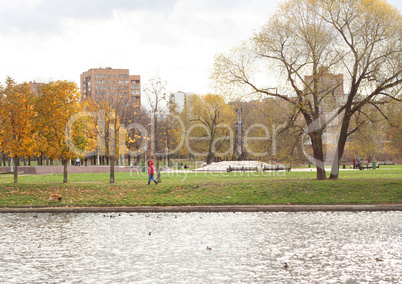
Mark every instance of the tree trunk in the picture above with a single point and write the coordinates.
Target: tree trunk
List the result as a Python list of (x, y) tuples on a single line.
[(111, 160), (316, 143), (64, 161), (16, 169), (210, 157), (158, 171), (343, 135)]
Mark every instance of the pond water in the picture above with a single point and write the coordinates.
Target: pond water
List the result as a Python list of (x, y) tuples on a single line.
[(319, 247)]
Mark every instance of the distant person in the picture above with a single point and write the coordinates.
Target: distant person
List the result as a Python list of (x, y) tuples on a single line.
[(86, 161), (151, 172), (358, 161), (77, 162), (354, 163)]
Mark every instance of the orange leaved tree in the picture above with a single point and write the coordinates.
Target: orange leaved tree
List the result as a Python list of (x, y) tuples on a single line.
[(16, 113), (57, 103)]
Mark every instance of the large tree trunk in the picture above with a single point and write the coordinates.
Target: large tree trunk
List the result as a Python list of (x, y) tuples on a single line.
[(65, 162), (16, 170), (111, 160), (316, 142), (158, 170), (343, 135), (210, 157)]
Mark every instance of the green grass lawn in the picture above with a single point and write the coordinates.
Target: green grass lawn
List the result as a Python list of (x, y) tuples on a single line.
[(352, 187)]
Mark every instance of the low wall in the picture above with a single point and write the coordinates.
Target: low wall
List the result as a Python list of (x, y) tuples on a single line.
[(42, 170)]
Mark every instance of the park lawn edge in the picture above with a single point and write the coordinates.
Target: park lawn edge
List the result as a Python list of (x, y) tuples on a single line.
[(206, 193)]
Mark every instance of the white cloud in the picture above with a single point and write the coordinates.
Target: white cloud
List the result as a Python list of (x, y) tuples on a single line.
[(47, 39)]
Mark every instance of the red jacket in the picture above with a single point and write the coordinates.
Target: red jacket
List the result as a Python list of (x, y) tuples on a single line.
[(151, 168)]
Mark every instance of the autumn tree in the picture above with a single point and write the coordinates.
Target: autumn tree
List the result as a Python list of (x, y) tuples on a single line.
[(369, 136), (135, 137), (16, 114), (395, 131), (304, 43), (212, 120), (113, 107), (55, 105), (282, 130)]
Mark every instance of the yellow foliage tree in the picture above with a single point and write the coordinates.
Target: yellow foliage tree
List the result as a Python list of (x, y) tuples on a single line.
[(57, 103), (16, 113), (215, 119)]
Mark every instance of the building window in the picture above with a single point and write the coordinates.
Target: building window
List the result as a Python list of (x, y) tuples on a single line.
[(99, 75), (100, 81), (123, 81), (123, 76), (135, 92)]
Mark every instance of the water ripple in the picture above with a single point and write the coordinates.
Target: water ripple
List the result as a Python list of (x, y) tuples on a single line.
[(320, 247)]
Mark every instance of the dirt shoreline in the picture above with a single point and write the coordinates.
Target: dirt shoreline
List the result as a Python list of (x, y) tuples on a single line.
[(205, 208)]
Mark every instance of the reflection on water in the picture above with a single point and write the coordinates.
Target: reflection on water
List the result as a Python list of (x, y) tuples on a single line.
[(338, 247)]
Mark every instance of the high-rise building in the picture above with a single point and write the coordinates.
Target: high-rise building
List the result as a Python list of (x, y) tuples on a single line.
[(178, 99), (330, 88), (99, 83), (330, 97)]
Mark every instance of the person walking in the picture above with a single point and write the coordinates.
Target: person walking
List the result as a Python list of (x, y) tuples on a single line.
[(359, 163), (151, 172)]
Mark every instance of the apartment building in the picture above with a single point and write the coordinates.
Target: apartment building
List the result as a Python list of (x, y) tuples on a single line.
[(178, 99), (330, 88), (100, 83), (330, 96)]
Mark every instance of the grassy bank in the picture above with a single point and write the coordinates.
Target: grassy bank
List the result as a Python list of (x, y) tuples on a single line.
[(353, 187)]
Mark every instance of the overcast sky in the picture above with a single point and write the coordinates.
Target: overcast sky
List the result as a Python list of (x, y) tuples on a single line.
[(46, 40)]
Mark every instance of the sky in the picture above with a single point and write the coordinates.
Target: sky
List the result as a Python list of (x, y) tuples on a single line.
[(43, 40)]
